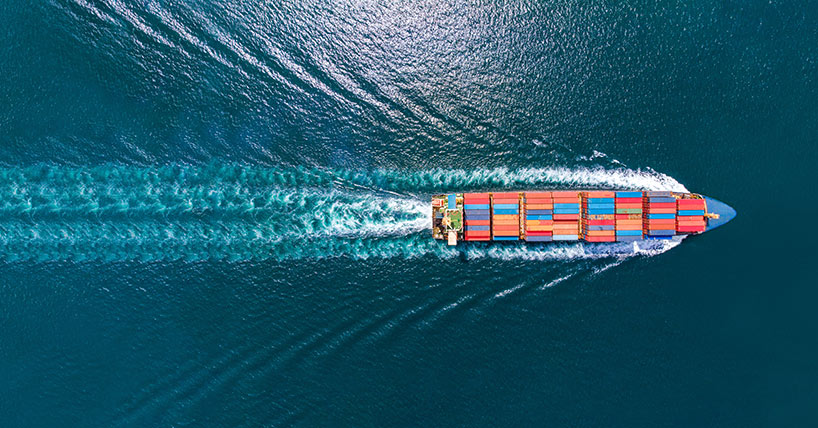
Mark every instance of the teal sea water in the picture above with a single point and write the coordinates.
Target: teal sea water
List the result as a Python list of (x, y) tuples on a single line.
[(216, 213)]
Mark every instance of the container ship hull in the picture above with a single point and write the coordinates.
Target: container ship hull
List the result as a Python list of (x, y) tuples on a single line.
[(574, 215)]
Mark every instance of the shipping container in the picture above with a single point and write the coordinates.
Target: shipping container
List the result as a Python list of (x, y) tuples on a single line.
[(539, 238)]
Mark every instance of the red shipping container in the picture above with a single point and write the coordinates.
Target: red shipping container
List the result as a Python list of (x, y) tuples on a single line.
[(690, 229), (476, 201), (539, 233), (473, 236), (506, 195), (692, 203), (538, 200), (628, 201), (661, 205), (628, 216), (476, 195), (599, 222), (661, 211), (477, 222), (600, 239), (566, 217), (477, 238), (691, 219), (565, 194), (506, 227)]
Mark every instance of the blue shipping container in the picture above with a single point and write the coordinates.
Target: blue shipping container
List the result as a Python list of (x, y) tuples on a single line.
[(452, 201), (539, 238), (628, 194), (539, 212), (662, 199), (505, 211), (662, 216), (601, 227), (476, 206), (600, 205), (565, 237), (627, 238), (629, 233), (556, 206), (505, 238), (477, 212), (539, 217), (506, 206), (566, 210), (691, 212), (477, 217), (477, 228), (661, 232), (600, 200), (605, 211)]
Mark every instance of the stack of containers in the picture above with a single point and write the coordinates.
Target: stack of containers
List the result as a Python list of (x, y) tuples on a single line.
[(505, 216), (628, 216), (539, 220), (566, 215), (598, 221), (690, 215), (476, 216), (660, 215)]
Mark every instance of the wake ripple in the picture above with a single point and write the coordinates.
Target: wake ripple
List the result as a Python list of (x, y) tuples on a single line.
[(235, 212)]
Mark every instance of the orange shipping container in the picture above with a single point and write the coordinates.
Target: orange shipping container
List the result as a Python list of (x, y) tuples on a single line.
[(661, 211), (565, 194), (539, 207), (627, 222), (505, 217), (506, 233), (539, 228), (600, 233), (600, 194), (538, 195)]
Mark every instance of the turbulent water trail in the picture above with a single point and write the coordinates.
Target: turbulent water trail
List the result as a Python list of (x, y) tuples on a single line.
[(235, 212)]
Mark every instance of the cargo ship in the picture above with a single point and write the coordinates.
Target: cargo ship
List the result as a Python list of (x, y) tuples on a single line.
[(575, 215)]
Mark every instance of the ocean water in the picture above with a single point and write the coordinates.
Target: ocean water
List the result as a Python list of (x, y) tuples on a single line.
[(216, 213)]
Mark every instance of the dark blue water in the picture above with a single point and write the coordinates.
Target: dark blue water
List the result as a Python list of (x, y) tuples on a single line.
[(215, 213)]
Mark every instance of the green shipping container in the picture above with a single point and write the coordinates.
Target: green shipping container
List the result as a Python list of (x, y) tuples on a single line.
[(629, 210)]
